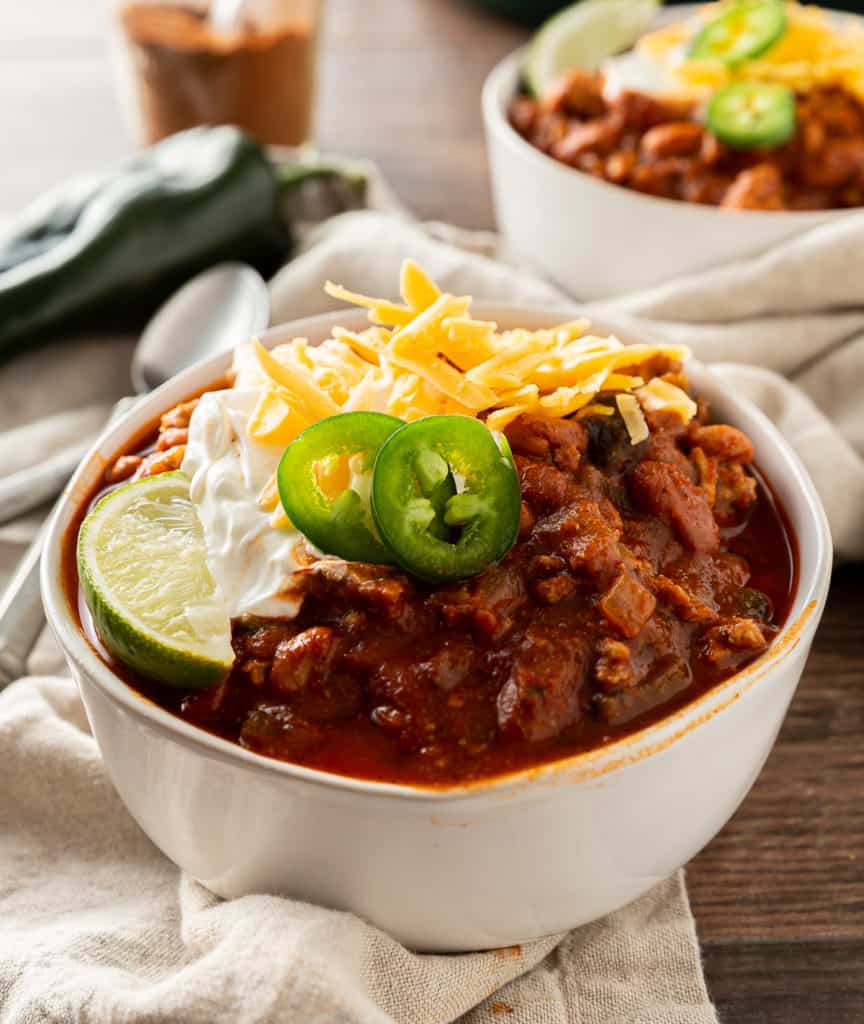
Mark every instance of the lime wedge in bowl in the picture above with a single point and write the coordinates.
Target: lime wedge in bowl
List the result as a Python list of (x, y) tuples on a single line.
[(143, 571), (583, 36)]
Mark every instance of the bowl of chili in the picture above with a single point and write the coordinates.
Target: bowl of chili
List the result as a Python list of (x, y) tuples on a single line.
[(587, 184), (448, 859)]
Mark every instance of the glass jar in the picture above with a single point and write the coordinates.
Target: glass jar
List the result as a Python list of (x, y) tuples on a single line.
[(249, 63)]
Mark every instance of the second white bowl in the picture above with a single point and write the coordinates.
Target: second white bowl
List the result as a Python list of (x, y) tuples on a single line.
[(597, 240)]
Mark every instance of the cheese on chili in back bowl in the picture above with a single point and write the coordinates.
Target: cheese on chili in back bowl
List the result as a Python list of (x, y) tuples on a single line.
[(642, 561)]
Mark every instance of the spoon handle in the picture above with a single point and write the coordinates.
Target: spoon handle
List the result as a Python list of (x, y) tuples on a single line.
[(29, 488), (21, 614)]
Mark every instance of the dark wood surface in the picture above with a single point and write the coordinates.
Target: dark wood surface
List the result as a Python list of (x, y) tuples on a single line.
[(779, 895)]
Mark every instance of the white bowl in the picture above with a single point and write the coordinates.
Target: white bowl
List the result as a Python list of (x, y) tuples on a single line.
[(597, 240), (473, 867)]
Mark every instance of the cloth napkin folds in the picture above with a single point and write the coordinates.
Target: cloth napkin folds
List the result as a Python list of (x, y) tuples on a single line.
[(96, 925)]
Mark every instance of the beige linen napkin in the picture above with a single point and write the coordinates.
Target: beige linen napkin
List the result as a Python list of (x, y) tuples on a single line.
[(95, 925)]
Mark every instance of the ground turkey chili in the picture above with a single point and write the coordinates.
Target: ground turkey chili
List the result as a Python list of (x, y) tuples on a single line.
[(643, 575), (662, 148)]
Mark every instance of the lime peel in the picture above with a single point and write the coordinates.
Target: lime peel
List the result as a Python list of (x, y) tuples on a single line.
[(583, 36), (143, 571)]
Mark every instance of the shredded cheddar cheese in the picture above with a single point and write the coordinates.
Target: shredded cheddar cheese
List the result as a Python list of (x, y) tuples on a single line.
[(429, 356), (661, 394), (817, 48)]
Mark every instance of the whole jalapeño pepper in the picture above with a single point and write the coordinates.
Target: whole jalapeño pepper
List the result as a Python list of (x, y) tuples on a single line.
[(113, 246), (116, 245)]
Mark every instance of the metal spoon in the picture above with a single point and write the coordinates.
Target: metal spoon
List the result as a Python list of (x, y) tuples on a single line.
[(208, 315)]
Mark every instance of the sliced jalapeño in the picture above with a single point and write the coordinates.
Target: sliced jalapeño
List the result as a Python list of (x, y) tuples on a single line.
[(480, 514), (744, 31), (324, 480)]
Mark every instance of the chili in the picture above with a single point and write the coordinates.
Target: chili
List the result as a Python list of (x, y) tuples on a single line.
[(809, 158), (642, 576)]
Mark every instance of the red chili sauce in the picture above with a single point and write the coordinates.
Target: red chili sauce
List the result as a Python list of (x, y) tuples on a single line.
[(643, 575)]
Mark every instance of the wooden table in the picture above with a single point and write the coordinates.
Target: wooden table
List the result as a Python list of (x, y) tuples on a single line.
[(779, 895)]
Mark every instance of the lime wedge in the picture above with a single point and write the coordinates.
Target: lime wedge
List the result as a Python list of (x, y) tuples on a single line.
[(143, 571), (583, 36)]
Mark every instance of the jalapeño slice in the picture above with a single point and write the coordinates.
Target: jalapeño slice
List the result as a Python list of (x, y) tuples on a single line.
[(324, 479), (745, 30), (481, 519), (746, 115)]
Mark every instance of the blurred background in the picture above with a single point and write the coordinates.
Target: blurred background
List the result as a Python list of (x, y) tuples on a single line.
[(391, 59), (531, 12), (63, 114)]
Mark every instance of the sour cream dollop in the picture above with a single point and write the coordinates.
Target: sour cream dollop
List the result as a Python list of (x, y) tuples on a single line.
[(638, 71), (252, 563)]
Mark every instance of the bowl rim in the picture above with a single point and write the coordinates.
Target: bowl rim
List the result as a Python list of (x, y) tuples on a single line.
[(806, 606), (498, 89)]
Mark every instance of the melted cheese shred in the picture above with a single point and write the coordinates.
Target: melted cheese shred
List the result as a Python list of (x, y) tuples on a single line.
[(428, 356)]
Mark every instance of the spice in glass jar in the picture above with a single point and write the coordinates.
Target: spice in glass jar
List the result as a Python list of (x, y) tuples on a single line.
[(258, 73)]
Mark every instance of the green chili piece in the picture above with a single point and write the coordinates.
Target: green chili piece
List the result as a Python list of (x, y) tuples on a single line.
[(112, 246), (747, 115), (745, 30), (460, 535), (342, 524)]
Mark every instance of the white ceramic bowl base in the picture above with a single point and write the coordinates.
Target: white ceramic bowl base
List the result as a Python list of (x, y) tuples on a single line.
[(483, 866)]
